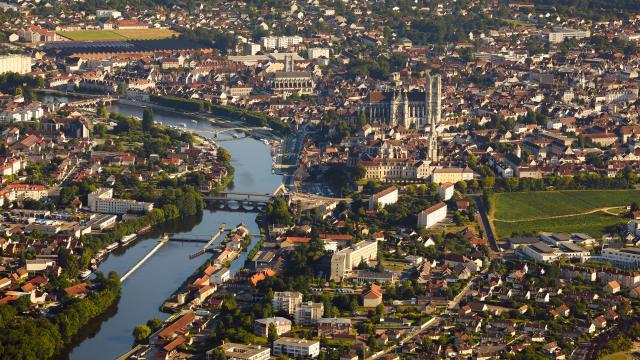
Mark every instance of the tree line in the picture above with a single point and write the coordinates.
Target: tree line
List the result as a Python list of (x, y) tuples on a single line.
[(25, 337)]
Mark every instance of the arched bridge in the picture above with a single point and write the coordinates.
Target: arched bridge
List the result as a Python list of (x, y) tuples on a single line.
[(243, 201)]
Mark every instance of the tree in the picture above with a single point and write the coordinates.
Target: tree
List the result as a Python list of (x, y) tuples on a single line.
[(147, 120), (272, 334), (154, 324), (122, 88), (223, 155), (141, 332), (102, 112), (359, 172), (217, 354)]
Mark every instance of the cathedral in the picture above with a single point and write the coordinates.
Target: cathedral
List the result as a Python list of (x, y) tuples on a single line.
[(417, 109)]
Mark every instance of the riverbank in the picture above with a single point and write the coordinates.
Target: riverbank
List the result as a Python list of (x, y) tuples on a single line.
[(144, 292)]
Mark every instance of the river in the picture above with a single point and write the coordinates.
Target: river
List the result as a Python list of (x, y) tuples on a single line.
[(147, 288)]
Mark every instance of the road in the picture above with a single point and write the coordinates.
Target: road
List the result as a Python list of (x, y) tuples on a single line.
[(485, 224), (419, 330)]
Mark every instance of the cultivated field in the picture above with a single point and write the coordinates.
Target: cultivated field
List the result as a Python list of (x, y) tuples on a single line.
[(546, 204), (594, 224), (587, 211), (135, 34)]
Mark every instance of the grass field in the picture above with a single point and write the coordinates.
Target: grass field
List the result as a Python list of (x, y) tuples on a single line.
[(593, 224), (544, 204), (625, 355), (134, 34)]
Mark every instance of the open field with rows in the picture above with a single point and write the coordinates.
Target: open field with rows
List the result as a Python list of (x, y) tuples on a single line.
[(133, 34), (545, 204)]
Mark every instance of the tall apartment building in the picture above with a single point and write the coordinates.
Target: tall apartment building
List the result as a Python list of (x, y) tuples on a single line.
[(16, 63), (280, 42), (286, 301), (308, 313), (343, 261), (102, 201), (296, 348)]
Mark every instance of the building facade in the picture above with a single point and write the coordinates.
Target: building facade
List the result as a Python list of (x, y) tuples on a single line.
[(410, 108), (308, 313), (383, 198), (102, 201), (282, 326), (343, 261), (286, 301), (20, 64), (433, 215), (296, 348)]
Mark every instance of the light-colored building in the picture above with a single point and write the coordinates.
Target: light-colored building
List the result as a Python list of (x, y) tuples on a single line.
[(286, 301), (433, 215), (445, 191), (282, 326), (250, 48), (35, 265), (315, 53), (296, 348), (383, 198), (628, 258), (405, 169), (20, 64), (102, 201), (452, 175), (558, 34), (221, 276), (236, 351), (291, 82), (308, 313), (105, 14), (540, 251), (280, 42), (343, 261)]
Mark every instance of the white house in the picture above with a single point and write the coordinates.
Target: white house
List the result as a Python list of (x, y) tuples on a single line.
[(431, 216), (445, 191), (383, 198), (221, 276)]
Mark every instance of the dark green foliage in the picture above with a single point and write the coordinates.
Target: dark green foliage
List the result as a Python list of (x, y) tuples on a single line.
[(42, 338)]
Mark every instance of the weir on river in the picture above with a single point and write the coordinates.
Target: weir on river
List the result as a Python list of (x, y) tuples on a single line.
[(145, 258), (169, 266)]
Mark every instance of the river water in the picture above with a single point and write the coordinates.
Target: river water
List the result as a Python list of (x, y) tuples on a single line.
[(147, 288)]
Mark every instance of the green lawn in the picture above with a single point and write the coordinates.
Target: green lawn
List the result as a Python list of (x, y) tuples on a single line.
[(543, 204), (593, 224)]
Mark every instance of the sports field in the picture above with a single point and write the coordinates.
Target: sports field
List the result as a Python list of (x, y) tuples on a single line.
[(134, 34), (545, 204), (586, 211)]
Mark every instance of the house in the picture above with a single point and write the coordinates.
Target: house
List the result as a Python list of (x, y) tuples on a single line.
[(612, 287), (383, 198), (334, 326), (261, 326), (372, 297), (79, 290), (433, 215), (445, 191)]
